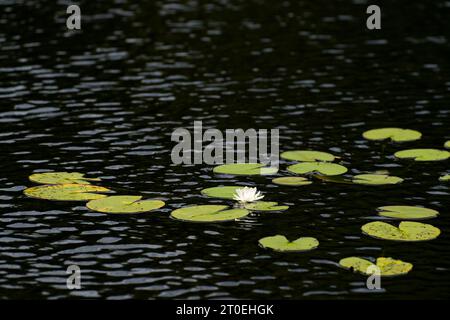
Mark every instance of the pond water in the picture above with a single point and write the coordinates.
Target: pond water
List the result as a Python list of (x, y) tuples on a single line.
[(105, 100)]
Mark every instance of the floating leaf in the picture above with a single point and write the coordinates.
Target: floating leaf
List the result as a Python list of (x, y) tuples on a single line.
[(208, 213), (307, 156), (386, 266), (447, 144), (280, 243), (291, 181), (395, 134), (66, 192), (226, 192), (445, 178), (407, 212), (124, 204), (423, 154), (376, 179), (61, 178), (264, 206), (334, 179), (245, 169), (407, 231), (325, 168)]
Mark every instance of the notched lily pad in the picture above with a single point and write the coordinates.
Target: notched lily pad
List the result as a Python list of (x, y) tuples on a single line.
[(395, 134), (245, 169), (388, 267), (406, 231), (66, 192), (376, 179), (291, 181), (325, 168), (61, 178), (124, 204), (225, 192), (407, 212), (282, 244), (423, 154), (264, 206), (208, 213), (307, 156)]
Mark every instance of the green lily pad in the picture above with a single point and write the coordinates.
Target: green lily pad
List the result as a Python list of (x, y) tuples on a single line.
[(264, 206), (307, 156), (291, 181), (334, 179), (245, 169), (447, 144), (61, 178), (445, 178), (388, 267), (325, 168), (226, 192), (208, 213), (407, 212), (395, 134), (280, 243), (407, 231), (376, 179), (423, 154), (66, 192), (124, 204)]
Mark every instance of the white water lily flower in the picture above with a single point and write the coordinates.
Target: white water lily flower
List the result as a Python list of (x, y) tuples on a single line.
[(247, 194)]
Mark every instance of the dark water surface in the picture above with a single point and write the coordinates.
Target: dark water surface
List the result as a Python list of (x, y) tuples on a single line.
[(104, 101)]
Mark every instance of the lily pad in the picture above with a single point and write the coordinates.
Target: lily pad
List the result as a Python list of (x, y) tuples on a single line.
[(291, 181), (395, 134), (226, 192), (124, 204), (208, 213), (447, 144), (407, 231), (66, 192), (445, 178), (376, 179), (325, 168), (387, 266), (407, 212), (423, 154), (334, 179), (307, 156), (264, 206), (282, 244), (61, 178), (245, 169)]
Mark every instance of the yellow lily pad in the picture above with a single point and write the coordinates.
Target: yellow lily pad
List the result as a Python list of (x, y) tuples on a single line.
[(423, 154), (208, 213), (324, 168), (66, 192), (388, 267), (395, 134), (61, 178), (376, 179), (406, 231), (407, 212), (307, 156), (124, 204), (282, 244)]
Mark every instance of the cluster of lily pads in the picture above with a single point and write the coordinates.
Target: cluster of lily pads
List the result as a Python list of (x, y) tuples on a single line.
[(74, 186)]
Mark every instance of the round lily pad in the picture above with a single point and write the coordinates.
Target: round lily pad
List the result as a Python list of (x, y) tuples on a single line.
[(226, 192), (325, 168), (445, 178), (447, 144), (208, 213), (280, 243), (334, 179), (307, 156), (423, 154), (376, 179), (387, 266), (406, 231), (264, 206), (245, 169), (124, 204), (66, 192), (291, 181), (407, 212), (61, 178), (395, 134)]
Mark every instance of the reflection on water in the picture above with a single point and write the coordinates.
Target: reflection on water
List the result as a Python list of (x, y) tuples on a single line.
[(104, 101)]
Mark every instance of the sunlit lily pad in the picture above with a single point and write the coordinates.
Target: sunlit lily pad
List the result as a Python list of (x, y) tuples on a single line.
[(124, 204), (447, 144), (395, 134), (264, 206), (407, 231), (281, 243), (445, 178), (407, 212), (376, 179), (245, 169), (388, 267), (307, 156), (423, 154), (61, 178), (66, 192), (208, 213), (325, 168), (226, 192), (291, 181), (334, 179)]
